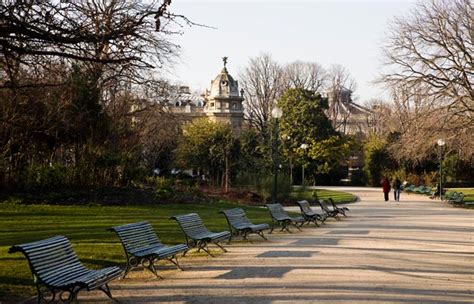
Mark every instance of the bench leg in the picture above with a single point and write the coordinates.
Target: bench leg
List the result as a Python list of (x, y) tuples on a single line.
[(261, 234), (296, 225), (220, 246), (285, 226), (132, 262), (174, 260), (149, 264), (43, 296), (105, 289), (71, 295), (203, 245), (273, 227)]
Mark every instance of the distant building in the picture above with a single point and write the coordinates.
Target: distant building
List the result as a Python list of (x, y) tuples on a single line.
[(347, 116), (222, 102)]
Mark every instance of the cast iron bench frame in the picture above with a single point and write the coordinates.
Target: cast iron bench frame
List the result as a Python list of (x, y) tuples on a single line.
[(57, 270), (197, 235), (281, 218), (330, 213), (143, 247), (308, 213), (240, 225), (341, 210)]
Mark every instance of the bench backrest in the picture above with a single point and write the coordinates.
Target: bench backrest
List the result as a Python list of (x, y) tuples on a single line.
[(305, 207), (50, 258), (277, 211), (236, 217), (323, 205), (192, 225), (136, 236), (332, 203)]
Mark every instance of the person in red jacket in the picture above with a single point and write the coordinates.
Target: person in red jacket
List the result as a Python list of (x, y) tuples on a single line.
[(385, 187)]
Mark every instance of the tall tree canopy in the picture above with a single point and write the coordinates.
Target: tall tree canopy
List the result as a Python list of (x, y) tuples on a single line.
[(208, 147), (304, 122)]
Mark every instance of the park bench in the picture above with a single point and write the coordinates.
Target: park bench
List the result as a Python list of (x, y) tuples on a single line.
[(239, 224), (457, 199), (143, 248), (309, 215), (197, 235), (281, 218), (450, 195), (329, 213), (341, 210), (58, 273)]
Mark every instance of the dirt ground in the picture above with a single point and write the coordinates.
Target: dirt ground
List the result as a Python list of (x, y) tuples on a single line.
[(414, 251)]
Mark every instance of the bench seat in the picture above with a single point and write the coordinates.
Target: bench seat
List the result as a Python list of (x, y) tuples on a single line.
[(143, 247), (239, 224), (197, 235), (281, 218)]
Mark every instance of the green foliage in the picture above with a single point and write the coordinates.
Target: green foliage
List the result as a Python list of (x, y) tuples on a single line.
[(205, 145), (264, 187), (44, 177), (303, 117), (377, 159), (304, 122), (254, 153)]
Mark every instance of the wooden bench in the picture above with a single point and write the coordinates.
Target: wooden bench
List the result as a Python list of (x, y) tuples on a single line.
[(57, 272), (281, 218), (239, 224), (143, 248), (197, 235), (309, 215)]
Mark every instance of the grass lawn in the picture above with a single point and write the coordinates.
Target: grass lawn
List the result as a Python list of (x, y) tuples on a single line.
[(86, 227), (338, 196)]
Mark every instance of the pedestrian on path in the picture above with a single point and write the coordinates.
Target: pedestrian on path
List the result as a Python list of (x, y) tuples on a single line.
[(385, 187), (397, 188)]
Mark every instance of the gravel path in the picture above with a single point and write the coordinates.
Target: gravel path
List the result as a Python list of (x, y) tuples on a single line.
[(415, 251)]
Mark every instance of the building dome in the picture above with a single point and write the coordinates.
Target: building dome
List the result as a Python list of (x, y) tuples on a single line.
[(224, 85)]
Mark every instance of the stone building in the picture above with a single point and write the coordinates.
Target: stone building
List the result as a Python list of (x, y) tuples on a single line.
[(222, 102), (347, 116)]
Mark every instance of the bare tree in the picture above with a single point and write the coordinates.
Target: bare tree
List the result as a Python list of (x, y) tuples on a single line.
[(262, 82), (304, 75), (119, 32), (431, 74), (419, 122), (433, 48)]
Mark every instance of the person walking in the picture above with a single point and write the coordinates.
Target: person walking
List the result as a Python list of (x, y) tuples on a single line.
[(385, 187), (397, 188)]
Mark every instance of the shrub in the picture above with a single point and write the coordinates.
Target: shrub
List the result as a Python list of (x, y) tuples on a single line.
[(44, 176), (264, 187)]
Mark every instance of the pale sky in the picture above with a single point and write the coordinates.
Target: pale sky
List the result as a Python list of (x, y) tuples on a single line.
[(345, 32)]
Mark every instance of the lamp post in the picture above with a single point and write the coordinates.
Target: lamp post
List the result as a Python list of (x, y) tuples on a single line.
[(304, 147), (441, 144), (290, 156), (276, 113)]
